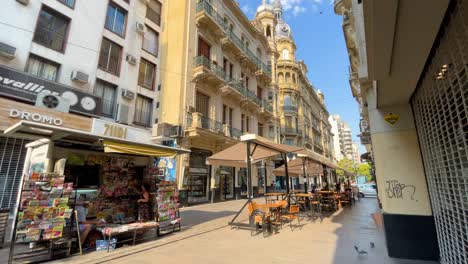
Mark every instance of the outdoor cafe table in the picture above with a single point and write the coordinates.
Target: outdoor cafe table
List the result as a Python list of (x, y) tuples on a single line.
[(277, 194), (274, 209)]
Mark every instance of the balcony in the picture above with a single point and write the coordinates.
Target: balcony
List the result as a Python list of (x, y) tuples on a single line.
[(267, 108), (264, 71), (207, 71), (290, 131), (198, 125), (234, 44), (236, 90), (290, 109), (235, 133), (206, 17)]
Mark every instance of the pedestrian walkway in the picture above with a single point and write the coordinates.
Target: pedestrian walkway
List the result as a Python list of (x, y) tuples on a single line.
[(206, 238)]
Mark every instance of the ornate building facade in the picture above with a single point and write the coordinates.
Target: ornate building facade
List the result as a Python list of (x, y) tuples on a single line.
[(301, 108), (217, 85)]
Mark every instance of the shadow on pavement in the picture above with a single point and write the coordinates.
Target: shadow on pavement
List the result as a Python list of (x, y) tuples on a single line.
[(195, 217), (358, 229)]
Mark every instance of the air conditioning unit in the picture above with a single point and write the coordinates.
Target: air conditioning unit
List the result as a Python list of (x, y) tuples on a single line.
[(79, 76), (52, 101), (23, 2), (7, 51), (140, 27), (128, 94), (177, 131), (122, 114), (131, 59), (162, 130)]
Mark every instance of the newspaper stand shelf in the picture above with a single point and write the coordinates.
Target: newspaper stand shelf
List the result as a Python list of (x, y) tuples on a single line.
[(43, 220), (167, 203)]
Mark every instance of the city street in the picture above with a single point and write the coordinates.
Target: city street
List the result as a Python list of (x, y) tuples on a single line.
[(234, 131), (206, 238)]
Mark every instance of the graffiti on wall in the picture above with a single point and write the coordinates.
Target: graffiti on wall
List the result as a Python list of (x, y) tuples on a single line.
[(397, 190)]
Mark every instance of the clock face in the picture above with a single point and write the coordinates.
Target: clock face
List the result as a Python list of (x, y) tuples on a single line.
[(88, 103), (285, 28)]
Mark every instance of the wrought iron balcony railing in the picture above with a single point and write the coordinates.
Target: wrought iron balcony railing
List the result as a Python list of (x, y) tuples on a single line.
[(216, 69)]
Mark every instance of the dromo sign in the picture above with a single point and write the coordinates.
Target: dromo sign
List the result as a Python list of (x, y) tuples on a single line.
[(36, 117)]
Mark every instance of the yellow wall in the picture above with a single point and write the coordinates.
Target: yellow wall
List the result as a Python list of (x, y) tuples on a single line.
[(398, 163), (175, 44)]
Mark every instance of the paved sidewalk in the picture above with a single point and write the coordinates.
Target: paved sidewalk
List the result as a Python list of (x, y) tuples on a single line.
[(207, 239)]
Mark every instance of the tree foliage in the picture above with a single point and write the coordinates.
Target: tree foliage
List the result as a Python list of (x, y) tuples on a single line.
[(363, 169)]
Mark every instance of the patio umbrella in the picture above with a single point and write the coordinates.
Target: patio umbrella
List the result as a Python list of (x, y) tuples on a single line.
[(303, 165), (252, 148)]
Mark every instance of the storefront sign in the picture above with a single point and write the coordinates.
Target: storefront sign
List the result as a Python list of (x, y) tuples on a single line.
[(36, 117), (25, 87), (115, 130)]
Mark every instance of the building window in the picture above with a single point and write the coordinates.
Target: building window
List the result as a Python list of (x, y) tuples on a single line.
[(260, 129), (106, 91), (151, 41), (203, 48), (224, 114), (259, 93), (153, 11), (230, 116), (69, 3), (202, 104), (287, 100), (43, 68), (116, 19), (285, 54), (289, 142), (146, 74), (247, 121), (288, 122), (143, 107), (268, 31), (109, 57), (242, 123), (51, 29), (271, 132)]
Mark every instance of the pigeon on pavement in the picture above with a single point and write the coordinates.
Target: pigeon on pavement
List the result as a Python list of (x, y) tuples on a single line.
[(359, 251)]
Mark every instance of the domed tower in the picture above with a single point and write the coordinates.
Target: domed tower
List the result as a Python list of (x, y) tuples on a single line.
[(266, 19)]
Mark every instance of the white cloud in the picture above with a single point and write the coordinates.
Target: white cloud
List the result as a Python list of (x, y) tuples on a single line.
[(297, 7), (296, 10)]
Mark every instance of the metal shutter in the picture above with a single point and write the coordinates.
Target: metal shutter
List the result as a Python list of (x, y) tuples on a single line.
[(441, 109), (12, 156)]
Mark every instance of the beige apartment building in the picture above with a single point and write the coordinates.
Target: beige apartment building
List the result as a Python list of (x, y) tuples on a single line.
[(302, 111), (217, 84), (219, 81)]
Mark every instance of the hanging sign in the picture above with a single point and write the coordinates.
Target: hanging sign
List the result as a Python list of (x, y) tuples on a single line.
[(391, 118)]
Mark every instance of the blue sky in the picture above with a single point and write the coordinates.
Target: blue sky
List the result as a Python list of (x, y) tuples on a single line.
[(320, 43)]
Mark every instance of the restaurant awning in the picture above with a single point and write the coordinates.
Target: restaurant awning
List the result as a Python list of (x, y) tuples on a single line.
[(295, 168), (235, 156), (116, 147), (110, 144), (319, 158)]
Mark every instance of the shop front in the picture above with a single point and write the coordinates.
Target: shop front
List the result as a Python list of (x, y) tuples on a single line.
[(198, 178), (110, 176)]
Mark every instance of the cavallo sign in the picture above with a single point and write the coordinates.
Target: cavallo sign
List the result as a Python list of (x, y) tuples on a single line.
[(20, 85)]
